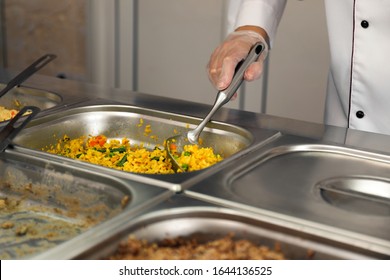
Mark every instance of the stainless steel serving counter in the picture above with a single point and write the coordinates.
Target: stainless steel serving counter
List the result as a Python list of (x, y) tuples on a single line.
[(325, 183)]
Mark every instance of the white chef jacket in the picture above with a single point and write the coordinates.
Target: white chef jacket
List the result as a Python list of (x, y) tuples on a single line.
[(358, 92)]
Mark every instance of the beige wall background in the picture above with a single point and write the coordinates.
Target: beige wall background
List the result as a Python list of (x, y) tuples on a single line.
[(34, 28)]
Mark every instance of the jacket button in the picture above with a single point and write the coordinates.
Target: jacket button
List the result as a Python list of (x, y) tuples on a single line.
[(364, 24), (359, 114)]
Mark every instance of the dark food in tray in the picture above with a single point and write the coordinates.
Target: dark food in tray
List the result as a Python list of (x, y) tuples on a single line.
[(194, 248)]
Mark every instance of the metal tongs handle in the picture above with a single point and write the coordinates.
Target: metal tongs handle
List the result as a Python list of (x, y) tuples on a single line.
[(12, 128), (253, 55), (225, 95), (26, 73)]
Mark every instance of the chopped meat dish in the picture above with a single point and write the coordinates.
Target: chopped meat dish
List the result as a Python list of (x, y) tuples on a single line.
[(180, 248)]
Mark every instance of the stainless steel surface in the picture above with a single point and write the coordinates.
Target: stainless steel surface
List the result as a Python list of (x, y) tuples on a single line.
[(310, 179), (12, 128), (45, 205), (297, 177), (26, 73), (191, 218)]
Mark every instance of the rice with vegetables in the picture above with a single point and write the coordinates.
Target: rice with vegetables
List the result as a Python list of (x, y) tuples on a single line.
[(6, 114), (122, 155), (193, 157)]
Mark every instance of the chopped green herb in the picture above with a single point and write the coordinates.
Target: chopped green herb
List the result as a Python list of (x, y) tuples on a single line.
[(119, 150), (184, 166), (122, 161)]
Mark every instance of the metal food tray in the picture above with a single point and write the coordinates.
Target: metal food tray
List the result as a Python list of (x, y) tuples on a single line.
[(117, 121), (188, 217), (323, 186), (21, 96), (45, 205)]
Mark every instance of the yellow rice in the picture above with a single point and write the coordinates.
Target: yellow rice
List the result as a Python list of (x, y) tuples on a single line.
[(120, 154), (6, 114)]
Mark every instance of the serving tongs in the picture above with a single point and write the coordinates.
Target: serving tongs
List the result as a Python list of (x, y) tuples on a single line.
[(174, 145), (26, 73), (8, 133)]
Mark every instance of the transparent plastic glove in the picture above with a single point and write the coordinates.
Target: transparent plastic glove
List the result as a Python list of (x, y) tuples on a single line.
[(229, 53)]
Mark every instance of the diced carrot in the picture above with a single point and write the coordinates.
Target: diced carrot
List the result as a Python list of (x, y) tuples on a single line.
[(99, 140), (172, 146), (102, 141)]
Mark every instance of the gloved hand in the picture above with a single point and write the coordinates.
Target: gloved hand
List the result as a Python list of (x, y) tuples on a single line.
[(229, 53)]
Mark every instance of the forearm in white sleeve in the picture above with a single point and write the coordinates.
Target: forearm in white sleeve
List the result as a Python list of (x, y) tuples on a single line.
[(263, 13)]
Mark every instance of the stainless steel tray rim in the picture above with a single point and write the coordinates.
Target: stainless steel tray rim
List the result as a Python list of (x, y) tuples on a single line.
[(119, 109)]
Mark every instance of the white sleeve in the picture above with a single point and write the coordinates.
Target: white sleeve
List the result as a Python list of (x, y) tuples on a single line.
[(263, 13)]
